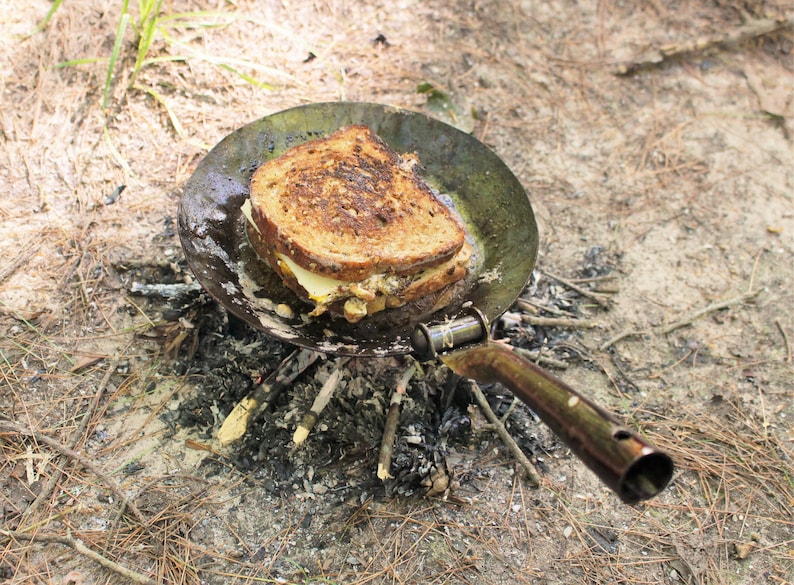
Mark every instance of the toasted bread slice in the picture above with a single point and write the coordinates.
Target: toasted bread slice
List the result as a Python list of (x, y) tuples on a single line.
[(348, 207), (355, 300)]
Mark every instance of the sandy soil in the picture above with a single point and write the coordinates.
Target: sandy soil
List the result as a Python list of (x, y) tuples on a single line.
[(675, 179)]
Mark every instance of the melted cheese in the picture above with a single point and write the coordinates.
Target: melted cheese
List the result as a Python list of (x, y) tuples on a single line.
[(246, 209), (318, 287)]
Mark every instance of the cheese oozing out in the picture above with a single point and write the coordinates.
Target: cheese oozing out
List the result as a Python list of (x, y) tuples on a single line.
[(317, 286), (246, 209)]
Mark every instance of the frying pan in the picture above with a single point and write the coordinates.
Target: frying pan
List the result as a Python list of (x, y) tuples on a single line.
[(499, 218)]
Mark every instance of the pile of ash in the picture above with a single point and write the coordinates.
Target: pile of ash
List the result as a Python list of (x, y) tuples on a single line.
[(439, 425), (224, 360)]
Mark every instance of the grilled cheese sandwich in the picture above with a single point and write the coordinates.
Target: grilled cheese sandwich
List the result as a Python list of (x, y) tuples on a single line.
[(351, 227)]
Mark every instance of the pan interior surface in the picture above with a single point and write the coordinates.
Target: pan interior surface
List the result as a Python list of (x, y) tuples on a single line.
[(485, 193)]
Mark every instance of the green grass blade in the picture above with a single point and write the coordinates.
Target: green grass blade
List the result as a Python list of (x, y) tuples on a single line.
[(166, 59), (84, 61), (114, 55), (149, 24), (189, 19), (162, 101), (245, 77), (229, 63), (43, 24), (145, 8)]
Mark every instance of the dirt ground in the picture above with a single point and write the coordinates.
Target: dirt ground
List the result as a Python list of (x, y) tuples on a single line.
[(655, 143)]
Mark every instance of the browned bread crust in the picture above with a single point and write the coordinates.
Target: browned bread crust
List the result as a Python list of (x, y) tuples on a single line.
[(347, 206)]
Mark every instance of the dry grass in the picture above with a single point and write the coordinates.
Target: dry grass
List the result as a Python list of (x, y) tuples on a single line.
[(680, 171)]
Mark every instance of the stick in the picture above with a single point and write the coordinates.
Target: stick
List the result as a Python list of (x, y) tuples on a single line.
[(23, 255), (558, 322), (390, 427), (510, 409), (528, 306), (537, 356), (712, 308), (752, 29), (619, 337), (598, 298), (688, 320), (81, 548), (533, 307), (166, 291), (499, 427), (601, 278), (13, 427), (260, 398), (785, 340), (319, 404)]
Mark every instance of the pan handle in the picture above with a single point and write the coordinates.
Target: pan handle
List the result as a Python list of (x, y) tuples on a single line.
[(627, 463)]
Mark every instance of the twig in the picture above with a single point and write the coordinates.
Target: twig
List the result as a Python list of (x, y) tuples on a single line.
[(89, 413), (390, 427), (601, 278), (533, 307), (688, 320), (13, 427), (558, 322), (510, 409), (86, 362), (750, 30), (785, 340), (499, 427), (713, 307), (81, 548), (75, 438), (538, 357), (606, 288), (166, 291), (753, 272), (620, 337), (18, 261), (598, 298), (320, 402), (527, 306), (260, 398)]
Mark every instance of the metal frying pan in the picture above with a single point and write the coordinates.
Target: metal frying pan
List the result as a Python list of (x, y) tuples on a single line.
[(485, 192), (498, 216)]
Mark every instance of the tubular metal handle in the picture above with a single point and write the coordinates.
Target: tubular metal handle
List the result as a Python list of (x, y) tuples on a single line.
[(627, 463)]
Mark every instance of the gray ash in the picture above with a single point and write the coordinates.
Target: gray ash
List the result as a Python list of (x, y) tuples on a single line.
[(228, 359), (598, 262)]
